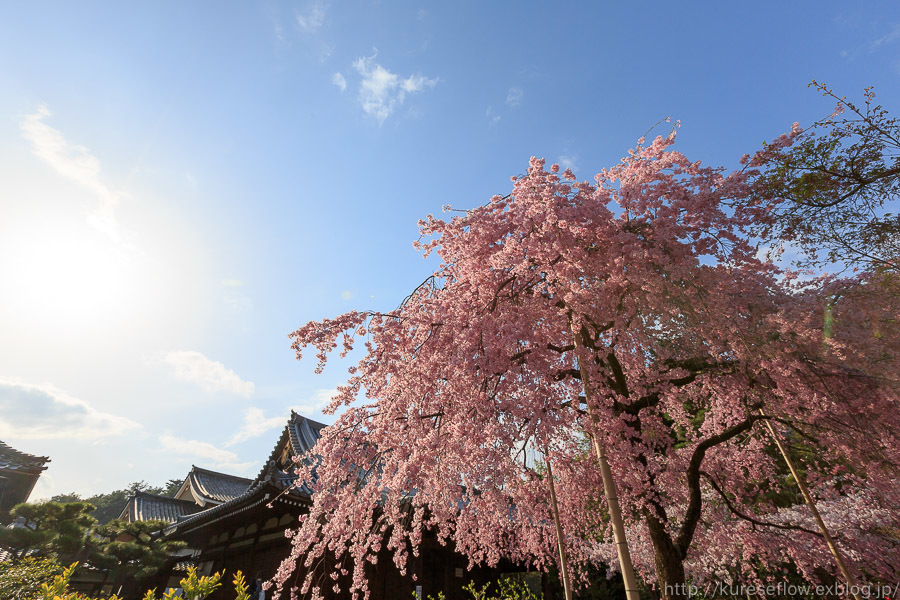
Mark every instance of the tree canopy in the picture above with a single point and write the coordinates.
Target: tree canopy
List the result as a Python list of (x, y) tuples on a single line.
[(50, 529), (830, 193), (634, 313), (131, 549), (66, 532)]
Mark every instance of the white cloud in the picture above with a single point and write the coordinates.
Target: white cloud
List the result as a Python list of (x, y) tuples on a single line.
[(238, 303), (74, 162), (346, 294), (381, 92), (311, 20), (489, 113), (211, 375), (338, 80), (218, 458), (43, 411), (567, 161), (255, 424), (44, 489), (325, 52), (888, 38), (319, 400), (233, 298), (514, 96)]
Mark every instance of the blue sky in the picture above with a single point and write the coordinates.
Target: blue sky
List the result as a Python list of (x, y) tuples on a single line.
[(183, 184)]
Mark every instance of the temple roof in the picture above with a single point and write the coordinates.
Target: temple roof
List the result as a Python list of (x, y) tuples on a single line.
[(14, 460), (212, 487), (297, 438), (256, 494), (302, 434), (151, 507)]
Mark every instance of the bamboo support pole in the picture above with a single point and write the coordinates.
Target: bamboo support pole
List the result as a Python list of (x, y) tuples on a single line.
[(563, 562), (829, 541), (609, 489)]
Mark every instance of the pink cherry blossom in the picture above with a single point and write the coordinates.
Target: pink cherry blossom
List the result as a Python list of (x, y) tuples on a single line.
[(688, 337)]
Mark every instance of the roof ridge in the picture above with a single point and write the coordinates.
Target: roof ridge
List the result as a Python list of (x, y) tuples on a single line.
[(296, 416), (196, 468), (160, 496)]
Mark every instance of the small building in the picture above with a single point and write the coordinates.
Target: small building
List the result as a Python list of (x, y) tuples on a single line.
[(19, 473)]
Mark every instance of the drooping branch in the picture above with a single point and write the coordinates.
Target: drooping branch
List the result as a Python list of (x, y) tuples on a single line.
[(746, 517), (695, 501)]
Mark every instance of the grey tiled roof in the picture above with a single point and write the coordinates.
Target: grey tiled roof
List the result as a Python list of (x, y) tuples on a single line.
[(218, 487), (150, 507), (14, 460), (254, 495), (304, 433)]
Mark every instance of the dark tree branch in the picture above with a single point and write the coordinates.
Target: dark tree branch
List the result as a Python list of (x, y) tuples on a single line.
[(695, 502), (746, 517)]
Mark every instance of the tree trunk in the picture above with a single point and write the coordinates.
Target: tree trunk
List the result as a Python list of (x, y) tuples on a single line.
[(99, 590), (668, 562)]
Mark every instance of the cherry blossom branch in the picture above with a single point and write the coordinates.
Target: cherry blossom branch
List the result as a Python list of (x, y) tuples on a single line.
[(753, 520), (695, 502)]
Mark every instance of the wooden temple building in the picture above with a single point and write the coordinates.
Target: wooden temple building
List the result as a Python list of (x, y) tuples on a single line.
[(19, 472), (233, 523)]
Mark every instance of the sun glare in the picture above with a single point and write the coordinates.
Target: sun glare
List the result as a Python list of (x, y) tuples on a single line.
[(68, 277)]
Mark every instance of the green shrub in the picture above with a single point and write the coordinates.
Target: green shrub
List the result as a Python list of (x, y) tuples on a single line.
[(195, 587), (22, 580), (507, 588), (58, 589)]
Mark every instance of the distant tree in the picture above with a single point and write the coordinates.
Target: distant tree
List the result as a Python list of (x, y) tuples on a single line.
[(833, 191), (49, 529), (64, 498), (143, 486), (172, 486), (107, 506)]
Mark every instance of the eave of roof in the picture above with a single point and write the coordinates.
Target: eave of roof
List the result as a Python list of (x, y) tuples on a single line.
[(213, 487), (16, 460), (303, 434), (260, 492), (271, 484)]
